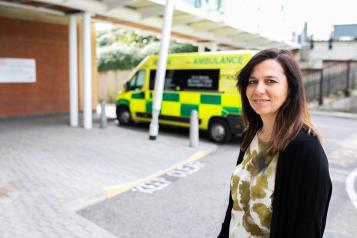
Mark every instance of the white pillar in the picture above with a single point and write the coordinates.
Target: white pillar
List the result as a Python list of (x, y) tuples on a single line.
[(214, 46), (73, 72), (87, 71), (201, 47), (161, 68)]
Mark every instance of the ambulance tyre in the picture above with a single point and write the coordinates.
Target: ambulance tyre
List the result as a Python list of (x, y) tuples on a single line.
[(123, 115), (219, 131)]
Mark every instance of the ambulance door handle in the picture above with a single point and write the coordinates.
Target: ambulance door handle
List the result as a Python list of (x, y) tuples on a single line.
[(150, 94)]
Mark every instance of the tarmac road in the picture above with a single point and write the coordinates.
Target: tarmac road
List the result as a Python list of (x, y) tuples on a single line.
[(191, 200)]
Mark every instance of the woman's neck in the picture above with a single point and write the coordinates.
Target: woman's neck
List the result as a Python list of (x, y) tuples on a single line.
[(265, 133)]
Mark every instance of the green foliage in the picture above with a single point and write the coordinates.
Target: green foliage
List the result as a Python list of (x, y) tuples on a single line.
[(118, 59), (125, 37), (120, 49), (176, 47)]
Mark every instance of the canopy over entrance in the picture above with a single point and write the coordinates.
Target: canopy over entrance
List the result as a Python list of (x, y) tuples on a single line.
[(189, 23)]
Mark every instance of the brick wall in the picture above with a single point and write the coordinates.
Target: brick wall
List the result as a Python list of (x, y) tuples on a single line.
[(48, 45)]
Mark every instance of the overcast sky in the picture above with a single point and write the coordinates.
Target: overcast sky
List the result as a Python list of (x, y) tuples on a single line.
[(279, 18)]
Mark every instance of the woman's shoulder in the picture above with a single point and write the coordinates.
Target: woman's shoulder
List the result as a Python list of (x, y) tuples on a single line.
[(307, 146), (304, 139)]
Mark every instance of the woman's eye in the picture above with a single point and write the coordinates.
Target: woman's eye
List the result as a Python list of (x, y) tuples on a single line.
[(270, 81), (252, 81)]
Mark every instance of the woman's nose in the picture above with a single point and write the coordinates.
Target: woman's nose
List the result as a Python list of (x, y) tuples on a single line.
[(260, 88)]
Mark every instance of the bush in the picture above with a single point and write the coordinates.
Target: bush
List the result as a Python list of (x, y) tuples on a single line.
[(182, 48), (114, 58), (119, 49)]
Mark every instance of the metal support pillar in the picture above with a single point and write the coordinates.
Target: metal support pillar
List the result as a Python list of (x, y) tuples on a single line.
[(161, 69), (103, 115), (348, 79), (321, 93), (194, 129), (87, 72), (73, 72)]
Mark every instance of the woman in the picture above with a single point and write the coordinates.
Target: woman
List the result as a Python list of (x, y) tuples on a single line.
[(281, 186)]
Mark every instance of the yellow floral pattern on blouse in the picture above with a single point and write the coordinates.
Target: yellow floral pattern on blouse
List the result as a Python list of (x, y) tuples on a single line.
[(252, 187)]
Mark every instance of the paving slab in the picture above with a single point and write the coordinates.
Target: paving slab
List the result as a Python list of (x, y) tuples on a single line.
[(50, 170)]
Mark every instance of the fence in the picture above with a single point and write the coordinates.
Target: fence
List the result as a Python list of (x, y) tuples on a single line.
[(334, 78), (110, 82)]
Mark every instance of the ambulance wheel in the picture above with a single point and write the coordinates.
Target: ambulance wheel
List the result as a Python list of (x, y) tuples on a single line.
[(218, 131), (123, 115)]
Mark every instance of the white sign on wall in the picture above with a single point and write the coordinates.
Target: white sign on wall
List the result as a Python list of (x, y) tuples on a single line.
[(17, 70)]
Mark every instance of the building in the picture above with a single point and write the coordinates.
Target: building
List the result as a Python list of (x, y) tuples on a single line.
[(330, 67), (56, 40), (348, 31)]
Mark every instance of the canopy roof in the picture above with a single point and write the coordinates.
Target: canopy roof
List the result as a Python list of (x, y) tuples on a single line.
[(189, 23)]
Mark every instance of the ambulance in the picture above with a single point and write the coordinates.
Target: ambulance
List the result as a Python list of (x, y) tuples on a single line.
[(205, 82)]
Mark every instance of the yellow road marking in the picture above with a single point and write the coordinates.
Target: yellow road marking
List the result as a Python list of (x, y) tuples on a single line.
[(121, 188)]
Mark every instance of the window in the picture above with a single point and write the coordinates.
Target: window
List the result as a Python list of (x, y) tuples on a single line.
[(137, 81), (140, 79), (188, 80)]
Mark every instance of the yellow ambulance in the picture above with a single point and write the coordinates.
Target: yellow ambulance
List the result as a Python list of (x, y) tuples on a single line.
[(205, 82)]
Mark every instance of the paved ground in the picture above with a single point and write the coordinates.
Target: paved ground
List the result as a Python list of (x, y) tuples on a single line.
[(194, 206), (190, 207), (50, 170)]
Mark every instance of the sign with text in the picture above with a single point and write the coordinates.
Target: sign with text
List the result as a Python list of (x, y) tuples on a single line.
[(17, 70)]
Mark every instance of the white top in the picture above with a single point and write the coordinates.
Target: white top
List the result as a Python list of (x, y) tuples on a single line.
[(252, 188)]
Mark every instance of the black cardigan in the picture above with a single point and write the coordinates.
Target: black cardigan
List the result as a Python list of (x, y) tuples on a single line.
[(302, 191)]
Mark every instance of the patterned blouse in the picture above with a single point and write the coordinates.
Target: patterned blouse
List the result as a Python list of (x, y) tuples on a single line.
[(252, 186)]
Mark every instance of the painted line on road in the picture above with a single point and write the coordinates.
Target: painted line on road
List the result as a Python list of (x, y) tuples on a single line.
[(112, 191), (161, 182), (350, 187)]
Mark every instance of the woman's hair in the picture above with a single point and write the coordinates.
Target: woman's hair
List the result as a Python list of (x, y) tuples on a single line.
[(292, 116)]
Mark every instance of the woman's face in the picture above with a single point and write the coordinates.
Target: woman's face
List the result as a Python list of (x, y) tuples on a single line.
[(267, 88)]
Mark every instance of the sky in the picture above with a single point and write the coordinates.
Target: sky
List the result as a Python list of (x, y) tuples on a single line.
[(278, 19)]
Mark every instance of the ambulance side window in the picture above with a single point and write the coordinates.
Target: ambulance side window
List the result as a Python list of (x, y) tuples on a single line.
[(137, 81), (188, 80)]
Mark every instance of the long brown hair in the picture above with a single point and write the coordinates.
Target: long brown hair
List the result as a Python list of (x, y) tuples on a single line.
[(292, 116)]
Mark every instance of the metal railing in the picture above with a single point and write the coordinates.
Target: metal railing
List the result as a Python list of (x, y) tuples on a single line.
[(333, 79)]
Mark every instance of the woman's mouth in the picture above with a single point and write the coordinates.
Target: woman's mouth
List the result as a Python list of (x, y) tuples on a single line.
[(260, 100)]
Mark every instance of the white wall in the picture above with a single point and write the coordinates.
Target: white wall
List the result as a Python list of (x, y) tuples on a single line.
[(341, 50)]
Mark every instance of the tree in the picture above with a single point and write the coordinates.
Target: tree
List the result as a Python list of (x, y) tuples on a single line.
[(125, 49)]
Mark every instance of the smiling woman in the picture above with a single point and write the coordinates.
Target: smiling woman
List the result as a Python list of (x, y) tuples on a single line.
[(281, 186), (267, 89)]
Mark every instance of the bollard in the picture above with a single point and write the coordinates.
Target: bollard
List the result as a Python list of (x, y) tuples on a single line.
[(103, 115), (194, 130)]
